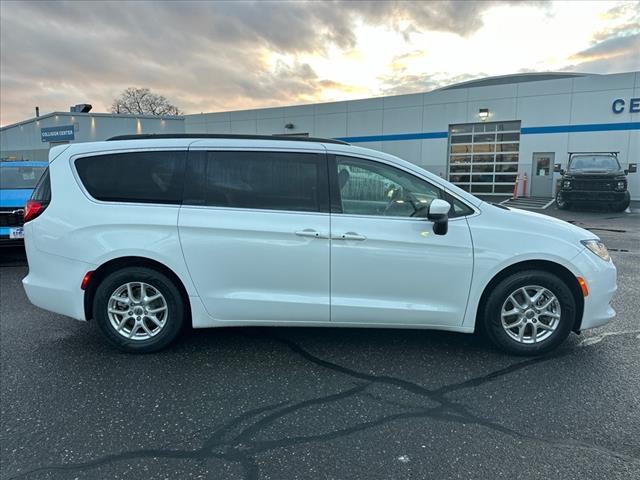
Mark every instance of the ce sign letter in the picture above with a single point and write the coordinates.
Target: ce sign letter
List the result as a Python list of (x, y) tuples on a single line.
[(618, 106)]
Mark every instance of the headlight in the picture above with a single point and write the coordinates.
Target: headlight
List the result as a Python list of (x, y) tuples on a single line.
[(597, 247), (566, 184), (621, 185)]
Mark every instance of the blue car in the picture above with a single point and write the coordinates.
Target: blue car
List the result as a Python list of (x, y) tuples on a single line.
[(17, 180)]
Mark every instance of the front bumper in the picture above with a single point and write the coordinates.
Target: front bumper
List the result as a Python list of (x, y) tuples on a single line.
[(601, 279), (594, 196)]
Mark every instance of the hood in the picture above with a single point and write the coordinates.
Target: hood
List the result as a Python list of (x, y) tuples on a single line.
[(541, 224), (14, 197)]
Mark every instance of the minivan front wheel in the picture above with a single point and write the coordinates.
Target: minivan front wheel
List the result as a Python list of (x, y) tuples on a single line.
[(138, 309), (529, 313)]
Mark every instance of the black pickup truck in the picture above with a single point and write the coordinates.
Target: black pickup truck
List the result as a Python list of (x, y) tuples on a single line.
[(594, 178)]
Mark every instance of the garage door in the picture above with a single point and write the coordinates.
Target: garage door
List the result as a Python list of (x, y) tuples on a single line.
[(483, 157)]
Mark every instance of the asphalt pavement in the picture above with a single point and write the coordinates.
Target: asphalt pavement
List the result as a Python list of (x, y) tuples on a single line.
[(310, 403)]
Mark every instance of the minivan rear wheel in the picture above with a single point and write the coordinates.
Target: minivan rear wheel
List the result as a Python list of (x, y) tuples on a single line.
[(138, 309), (529, 313)]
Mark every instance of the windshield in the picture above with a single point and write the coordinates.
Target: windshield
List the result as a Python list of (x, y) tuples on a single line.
[(594, 162), (19, 177)]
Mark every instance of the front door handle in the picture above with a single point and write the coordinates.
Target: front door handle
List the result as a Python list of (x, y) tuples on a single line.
[(351, 236), (309, 232)]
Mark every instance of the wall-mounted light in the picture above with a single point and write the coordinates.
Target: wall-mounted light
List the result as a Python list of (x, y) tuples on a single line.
[(289, 126), (483, 113)]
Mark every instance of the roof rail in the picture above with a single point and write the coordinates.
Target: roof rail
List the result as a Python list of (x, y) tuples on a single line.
[(593, 153), (291, 138)]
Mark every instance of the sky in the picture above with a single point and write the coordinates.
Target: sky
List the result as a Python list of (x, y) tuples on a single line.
[(216, 56)]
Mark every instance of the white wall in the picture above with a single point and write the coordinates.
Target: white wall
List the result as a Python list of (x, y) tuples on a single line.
[(24, 140)]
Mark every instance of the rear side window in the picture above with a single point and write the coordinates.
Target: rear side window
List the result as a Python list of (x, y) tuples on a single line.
[(42, 191), (267, 180), (138, 177)]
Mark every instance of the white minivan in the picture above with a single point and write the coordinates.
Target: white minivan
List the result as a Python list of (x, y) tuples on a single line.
[(146, 233)]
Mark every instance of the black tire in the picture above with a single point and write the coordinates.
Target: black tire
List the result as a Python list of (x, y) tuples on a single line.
[(623, 205), (561, 202), (159, 283), (492, 319)]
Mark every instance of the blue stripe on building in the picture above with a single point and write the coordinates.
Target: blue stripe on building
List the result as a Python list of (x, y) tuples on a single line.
[(591, 127)]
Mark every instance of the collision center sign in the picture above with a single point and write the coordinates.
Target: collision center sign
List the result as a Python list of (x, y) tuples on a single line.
[(57, 134)]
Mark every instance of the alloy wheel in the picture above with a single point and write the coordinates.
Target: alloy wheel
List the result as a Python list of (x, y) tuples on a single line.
[(530, 314), (137, 311)]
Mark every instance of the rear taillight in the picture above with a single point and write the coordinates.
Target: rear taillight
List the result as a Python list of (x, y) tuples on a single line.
[(33, 209)]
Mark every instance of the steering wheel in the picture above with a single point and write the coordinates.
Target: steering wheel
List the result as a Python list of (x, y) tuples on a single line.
[(408, 197)]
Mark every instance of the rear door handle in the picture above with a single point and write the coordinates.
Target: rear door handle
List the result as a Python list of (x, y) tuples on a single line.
[(309, 232), (351, 236)]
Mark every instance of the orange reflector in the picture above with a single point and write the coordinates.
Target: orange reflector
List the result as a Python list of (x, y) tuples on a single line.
[(85, 280), (583, 286)]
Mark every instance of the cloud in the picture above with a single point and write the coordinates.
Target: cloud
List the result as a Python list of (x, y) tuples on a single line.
[(615, 48), (413, 83), (202, 56), (616, 54), (208, 56)]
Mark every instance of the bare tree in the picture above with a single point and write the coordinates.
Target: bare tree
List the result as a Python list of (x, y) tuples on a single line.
[(141, 101)]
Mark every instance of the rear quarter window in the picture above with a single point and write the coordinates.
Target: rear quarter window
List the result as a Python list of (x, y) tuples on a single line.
[(42, 191), (137, 177), (19, 177)]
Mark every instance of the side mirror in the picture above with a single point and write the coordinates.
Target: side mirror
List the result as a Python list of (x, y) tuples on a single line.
[(633, 167), (439, 215), (557, 167), (562, 171)]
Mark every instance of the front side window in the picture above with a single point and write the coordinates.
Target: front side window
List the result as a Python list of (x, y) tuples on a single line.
[(267, 180), (137, 177), (373, 188)]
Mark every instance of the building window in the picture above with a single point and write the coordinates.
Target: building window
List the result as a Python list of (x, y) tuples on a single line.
[(483, 157)]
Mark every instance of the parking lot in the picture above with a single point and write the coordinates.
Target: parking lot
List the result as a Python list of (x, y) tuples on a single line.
[(285, 403)]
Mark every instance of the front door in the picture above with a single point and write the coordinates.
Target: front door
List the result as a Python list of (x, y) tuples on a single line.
[(387, 265), (542, 175), (255, 235)]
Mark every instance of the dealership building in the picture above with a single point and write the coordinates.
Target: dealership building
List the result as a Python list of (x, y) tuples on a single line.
[(480, 134)]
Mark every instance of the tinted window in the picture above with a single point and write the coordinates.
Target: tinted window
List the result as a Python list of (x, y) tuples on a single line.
[(19, 177), (140, 177), (267, 180), (42, 190)]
